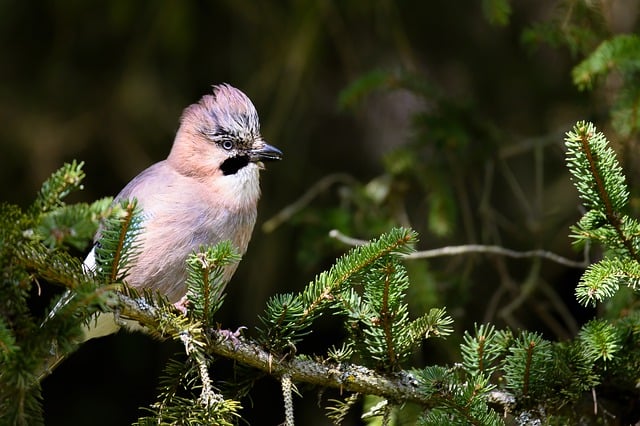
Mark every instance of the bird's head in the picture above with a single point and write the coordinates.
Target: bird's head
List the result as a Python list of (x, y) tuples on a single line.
[(220, 135)]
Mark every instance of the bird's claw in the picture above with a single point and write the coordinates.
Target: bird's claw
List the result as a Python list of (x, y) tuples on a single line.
[(233, 336)]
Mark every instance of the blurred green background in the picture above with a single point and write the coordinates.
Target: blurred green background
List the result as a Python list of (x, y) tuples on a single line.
[(428, 114)]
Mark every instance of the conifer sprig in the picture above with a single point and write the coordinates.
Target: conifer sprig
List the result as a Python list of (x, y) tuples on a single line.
[(601, 340), (366, 287), (288, 316), (600, 181), (596, 171), (118, 245), (72, 225), (205, 270), (530, 355), (398, 241), (459, 399), (61, 183), (482, 350)]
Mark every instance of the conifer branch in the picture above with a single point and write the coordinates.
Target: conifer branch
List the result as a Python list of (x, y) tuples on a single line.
[(586, 134), (347, 377), (55, 266), (367, 286), (359, 260)]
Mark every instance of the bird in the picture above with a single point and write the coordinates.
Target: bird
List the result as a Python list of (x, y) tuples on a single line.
[(206, 191)]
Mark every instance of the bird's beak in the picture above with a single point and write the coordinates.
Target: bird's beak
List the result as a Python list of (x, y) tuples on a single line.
[(265, 152)]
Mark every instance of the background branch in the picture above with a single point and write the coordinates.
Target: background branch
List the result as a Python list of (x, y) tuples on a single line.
[(472, 248)]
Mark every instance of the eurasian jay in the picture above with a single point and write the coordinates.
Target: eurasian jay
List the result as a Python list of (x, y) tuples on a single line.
[(205, 192)]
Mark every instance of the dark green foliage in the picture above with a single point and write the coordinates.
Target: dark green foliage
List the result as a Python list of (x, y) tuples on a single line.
[(497, 11), (337, 412), (417, 173), (288, 316), (529, 356), (619, 54), (447, 181), (577, 26), (459, 398), (596, 172), (600, 340), (367, 286), (70, 225), (33, 252), (178, 404), (481, 350), (61, 183)]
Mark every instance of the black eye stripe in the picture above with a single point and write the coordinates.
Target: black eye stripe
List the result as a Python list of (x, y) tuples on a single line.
[(232, 165)]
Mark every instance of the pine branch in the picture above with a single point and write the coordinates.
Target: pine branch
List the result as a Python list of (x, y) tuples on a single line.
[(601, 340), (603, 279), (459, 399), (54, 266), (481, 351), (339, 411)]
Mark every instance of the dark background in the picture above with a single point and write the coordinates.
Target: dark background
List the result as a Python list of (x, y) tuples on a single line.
[(105, 83)]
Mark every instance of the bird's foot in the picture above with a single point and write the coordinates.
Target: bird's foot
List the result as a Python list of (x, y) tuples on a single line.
[(233, 336), (182, 305)]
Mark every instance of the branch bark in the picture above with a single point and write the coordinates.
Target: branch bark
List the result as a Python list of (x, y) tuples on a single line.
[(349, 377)]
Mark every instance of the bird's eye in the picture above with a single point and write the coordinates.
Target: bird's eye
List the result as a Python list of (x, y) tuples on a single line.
[(227, 145)]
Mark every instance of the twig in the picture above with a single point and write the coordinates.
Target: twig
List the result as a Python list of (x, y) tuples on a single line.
[(207, 396), (287, 395), (472, 248)]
